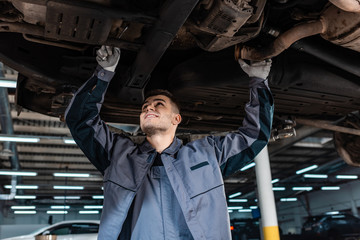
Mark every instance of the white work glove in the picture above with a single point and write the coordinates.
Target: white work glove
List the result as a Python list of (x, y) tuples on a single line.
[(256, 69), (108, 57)]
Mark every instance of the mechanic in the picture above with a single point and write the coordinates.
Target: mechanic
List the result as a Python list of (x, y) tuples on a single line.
[(162, 189)]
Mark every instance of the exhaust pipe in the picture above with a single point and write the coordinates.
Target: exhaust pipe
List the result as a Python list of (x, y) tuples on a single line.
[(335, 25)]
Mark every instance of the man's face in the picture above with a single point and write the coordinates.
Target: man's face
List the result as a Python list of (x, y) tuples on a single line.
[(158, 115)]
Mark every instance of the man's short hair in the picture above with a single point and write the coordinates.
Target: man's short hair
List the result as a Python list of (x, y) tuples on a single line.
[(166, 93)]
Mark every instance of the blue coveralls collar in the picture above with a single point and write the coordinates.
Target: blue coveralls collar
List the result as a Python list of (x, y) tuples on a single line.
[(146, 147)]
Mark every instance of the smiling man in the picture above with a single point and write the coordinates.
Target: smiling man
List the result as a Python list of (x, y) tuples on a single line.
[(162, 189)]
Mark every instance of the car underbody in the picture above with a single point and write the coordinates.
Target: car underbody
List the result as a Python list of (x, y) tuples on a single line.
[(188, 47)]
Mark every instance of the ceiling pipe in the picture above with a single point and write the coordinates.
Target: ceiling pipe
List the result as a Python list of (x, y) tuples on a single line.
[(9, 148)]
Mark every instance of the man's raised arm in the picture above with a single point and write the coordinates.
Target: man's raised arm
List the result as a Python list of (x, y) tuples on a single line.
[(82, 115), (239, 148)]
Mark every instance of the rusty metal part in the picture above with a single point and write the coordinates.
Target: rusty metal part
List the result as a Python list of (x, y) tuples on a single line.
[(56, 44), (347, 5), (22, 28), (335, 25), (327, 125), (342, 28), (347, 145), (281, 43)]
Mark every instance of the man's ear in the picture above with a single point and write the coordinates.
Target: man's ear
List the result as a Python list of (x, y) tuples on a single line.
[(177, 119)]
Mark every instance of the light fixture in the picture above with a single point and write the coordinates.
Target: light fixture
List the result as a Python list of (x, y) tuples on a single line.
[(93, 206), (98, 197), (22, 207), (60, 207), (24, 212), (235, 208), (332, 213), (19, 139), (330, 188), (88, 212), (248, 166), (56, 212), (302, 188), (347, 177), (67, 197), (253, 207), (7, 83), (288, 199), (69, 187), (69, 141), (244, 210), (235, 195), (25, 197), (278, 188), (315, 176), (306, 169), (71, 174), (275, 180), (17, 173), (22, 187), (230, 211), (238, 200)]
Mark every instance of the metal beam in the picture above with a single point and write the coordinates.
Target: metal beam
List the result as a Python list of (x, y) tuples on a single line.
[(172, 16)]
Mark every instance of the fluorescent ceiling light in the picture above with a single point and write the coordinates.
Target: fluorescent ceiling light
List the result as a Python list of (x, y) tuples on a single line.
[(230, 211), (69, 141), (89, 212), (56, 212), (238, 200), (93, 206), (19, 139), (98, 197), (22, 207), (24, 212), (235, 195), (244, 210), (313, 142), (66, 197), (25, 197), (7, 83), (347, 177), (253, 207), (69, 187), (22, 187), (278, 188), (71, 174), (302, 188), (315, 176), (330, 188), (288, 199), (235, 208), (17, 173), (60, 207), (306, 169), (332, 213), (275, 180), (248, 166)]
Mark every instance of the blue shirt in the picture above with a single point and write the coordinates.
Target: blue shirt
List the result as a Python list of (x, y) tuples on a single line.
[(157, 209)]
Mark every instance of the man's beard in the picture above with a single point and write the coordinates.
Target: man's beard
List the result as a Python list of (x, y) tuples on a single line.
[(152, 130)]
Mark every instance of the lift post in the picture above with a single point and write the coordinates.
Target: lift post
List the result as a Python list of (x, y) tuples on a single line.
[(266, 200)]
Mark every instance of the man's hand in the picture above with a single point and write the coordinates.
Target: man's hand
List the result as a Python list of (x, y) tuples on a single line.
[(256, 69), (108, 57)]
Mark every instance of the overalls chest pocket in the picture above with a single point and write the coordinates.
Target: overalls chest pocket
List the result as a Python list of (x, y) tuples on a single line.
[(199, 172)]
